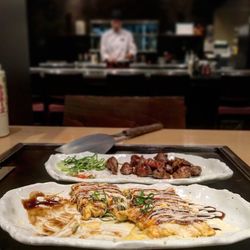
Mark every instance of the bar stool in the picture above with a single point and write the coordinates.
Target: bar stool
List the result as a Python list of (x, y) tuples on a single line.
[(235, 112), (53, 117), (234, 104), (55, 86)]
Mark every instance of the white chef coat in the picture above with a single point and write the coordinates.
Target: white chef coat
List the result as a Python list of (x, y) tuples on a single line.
[(117, 45)]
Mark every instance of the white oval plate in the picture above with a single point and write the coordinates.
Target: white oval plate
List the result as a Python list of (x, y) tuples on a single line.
[(212, 170), (14, 219)]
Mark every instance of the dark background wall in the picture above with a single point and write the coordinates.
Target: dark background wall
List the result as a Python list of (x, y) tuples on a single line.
[(14, 57), (50, 19), (43, 12), (231, 14)]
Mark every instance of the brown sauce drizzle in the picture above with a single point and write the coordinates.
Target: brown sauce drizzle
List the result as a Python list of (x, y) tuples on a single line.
[(33, 202)]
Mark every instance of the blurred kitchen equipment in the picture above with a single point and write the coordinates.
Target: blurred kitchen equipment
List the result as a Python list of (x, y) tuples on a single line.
[(184, 29), (142, 58), (222, 49), (119, 64), (190, 58), (94, 58), (55, 64), (205, 68), (168, 57), (208, 46), (161, 60), (4, 121), (102, 143), (80, 27), (199, 30)]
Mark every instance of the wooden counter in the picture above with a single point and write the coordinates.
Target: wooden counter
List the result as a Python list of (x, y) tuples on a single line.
[(238, 141)]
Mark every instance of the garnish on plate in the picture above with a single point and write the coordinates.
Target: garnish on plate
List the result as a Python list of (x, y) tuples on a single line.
[(145, 202), (78, 167)]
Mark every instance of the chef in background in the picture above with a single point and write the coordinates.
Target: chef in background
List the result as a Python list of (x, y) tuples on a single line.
[(117, 44)]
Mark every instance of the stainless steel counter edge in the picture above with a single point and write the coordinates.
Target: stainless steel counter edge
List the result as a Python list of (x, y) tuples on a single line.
[(81, 65), (102, 73)]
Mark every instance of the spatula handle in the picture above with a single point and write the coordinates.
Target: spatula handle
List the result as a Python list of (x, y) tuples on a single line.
[(133, 132)]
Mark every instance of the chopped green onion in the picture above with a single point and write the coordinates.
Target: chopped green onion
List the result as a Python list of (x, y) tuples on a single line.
[(97, 196), (73, 166), (144, 201)]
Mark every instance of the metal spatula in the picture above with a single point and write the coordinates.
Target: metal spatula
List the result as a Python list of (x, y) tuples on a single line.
[(102, 143)]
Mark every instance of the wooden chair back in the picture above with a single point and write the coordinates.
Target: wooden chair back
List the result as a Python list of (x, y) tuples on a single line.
[(117, 111)]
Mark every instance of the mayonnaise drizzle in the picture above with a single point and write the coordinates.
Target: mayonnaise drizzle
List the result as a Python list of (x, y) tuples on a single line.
[(170, 207)]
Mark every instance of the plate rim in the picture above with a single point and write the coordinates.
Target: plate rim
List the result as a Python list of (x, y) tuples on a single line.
[(194, 180), (145, 244)]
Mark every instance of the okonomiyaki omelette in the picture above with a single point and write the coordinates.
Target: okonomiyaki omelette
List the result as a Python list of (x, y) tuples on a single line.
[(107, 211)]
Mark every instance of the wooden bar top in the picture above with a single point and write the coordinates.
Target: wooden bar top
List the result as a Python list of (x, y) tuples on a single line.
[(238, 141)]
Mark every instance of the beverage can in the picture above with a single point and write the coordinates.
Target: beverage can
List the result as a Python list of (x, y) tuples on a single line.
[(4, 119)]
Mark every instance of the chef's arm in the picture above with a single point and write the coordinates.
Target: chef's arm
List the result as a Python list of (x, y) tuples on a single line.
[(104, 54), (132, 50)]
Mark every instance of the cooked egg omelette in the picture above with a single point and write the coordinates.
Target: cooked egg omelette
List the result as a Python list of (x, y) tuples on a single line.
[(162, 213), (104, 211), (99, 200)]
